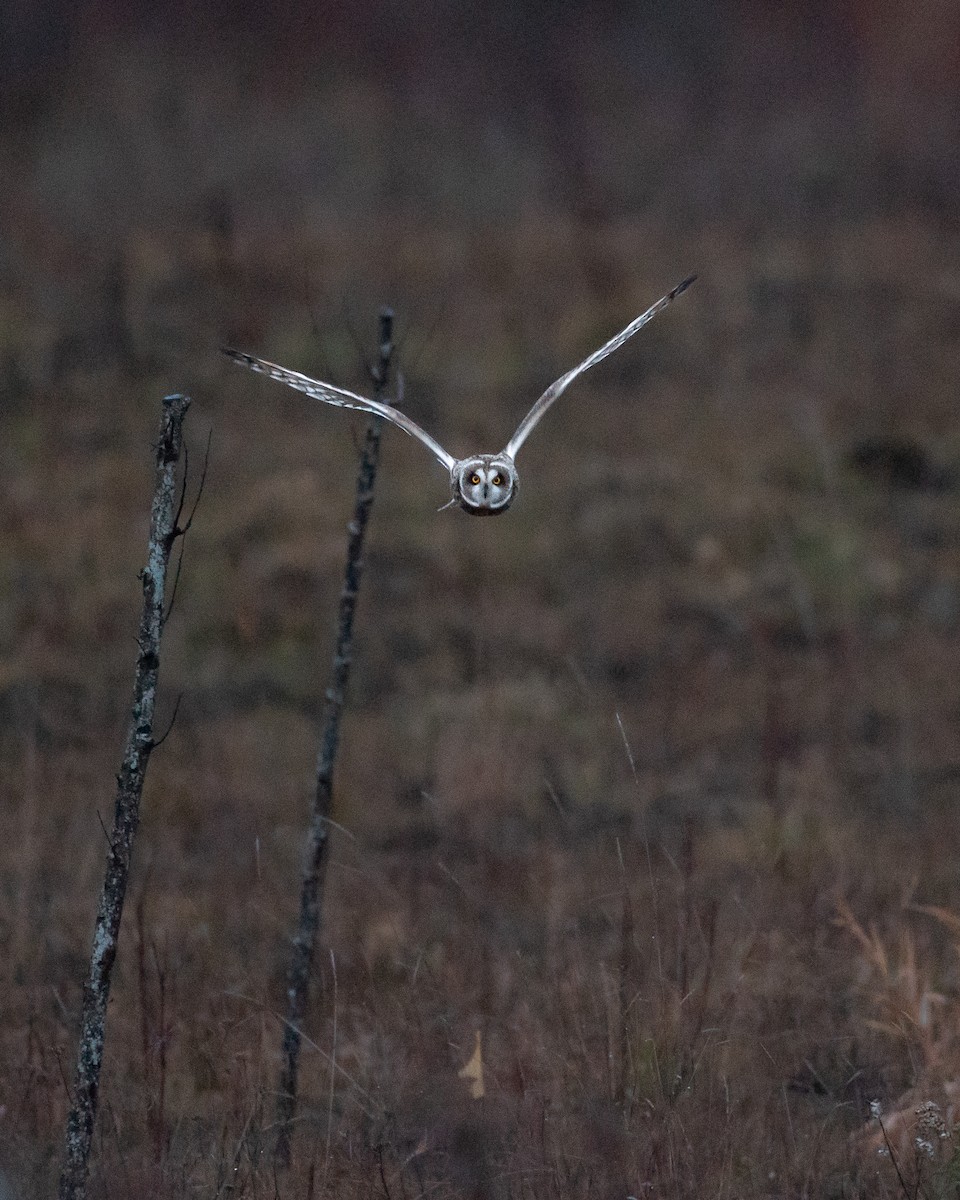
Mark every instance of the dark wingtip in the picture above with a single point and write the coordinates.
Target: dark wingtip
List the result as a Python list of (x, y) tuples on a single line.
[(235, 354), (682, 287)]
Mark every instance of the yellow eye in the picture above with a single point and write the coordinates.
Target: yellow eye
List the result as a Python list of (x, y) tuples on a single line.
[(497, 480), (474, 479)]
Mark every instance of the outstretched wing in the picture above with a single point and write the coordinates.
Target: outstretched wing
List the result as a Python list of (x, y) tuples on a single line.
[(555, 390), (342, 399)]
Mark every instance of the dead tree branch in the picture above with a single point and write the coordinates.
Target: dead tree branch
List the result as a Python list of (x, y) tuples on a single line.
[(315, 855), (140, 742)]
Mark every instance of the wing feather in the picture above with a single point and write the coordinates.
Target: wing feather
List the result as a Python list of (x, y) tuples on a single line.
[(342, 399), (557, 388)]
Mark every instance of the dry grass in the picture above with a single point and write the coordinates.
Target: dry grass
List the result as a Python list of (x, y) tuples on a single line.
[(690, 976)]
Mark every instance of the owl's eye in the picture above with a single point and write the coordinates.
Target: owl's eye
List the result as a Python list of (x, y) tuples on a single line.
[(497, 480), (474, 479)]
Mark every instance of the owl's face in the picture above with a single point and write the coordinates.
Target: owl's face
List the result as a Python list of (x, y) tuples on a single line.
[(485, 484)]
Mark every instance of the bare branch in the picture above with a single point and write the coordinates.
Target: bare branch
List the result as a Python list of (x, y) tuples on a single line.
[(130, 780), (315, 851)]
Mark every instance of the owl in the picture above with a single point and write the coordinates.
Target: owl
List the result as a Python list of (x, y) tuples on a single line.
[(484, 485)]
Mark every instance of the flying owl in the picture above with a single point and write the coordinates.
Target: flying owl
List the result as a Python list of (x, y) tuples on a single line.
[(484, 485)]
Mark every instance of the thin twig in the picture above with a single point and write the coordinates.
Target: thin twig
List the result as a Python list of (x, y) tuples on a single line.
[(333, 1061), (359, 348), (327, 367), (429, 331), (646, 845), (176, 708), (175, 524), (896, 1165), (383, 1174), (182, 531)]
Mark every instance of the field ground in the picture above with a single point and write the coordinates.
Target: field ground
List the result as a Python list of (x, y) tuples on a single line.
[(650, 785)]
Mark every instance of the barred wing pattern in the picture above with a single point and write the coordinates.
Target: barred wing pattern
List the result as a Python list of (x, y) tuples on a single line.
[(556, 389), (343, 399)]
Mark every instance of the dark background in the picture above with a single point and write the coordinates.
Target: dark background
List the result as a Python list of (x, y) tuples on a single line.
[(741, 534)]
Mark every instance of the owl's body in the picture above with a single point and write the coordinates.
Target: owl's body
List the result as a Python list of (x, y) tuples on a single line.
[(483, 485)]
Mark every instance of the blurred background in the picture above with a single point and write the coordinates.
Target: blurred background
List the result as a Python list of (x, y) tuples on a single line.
[(740, 535)]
